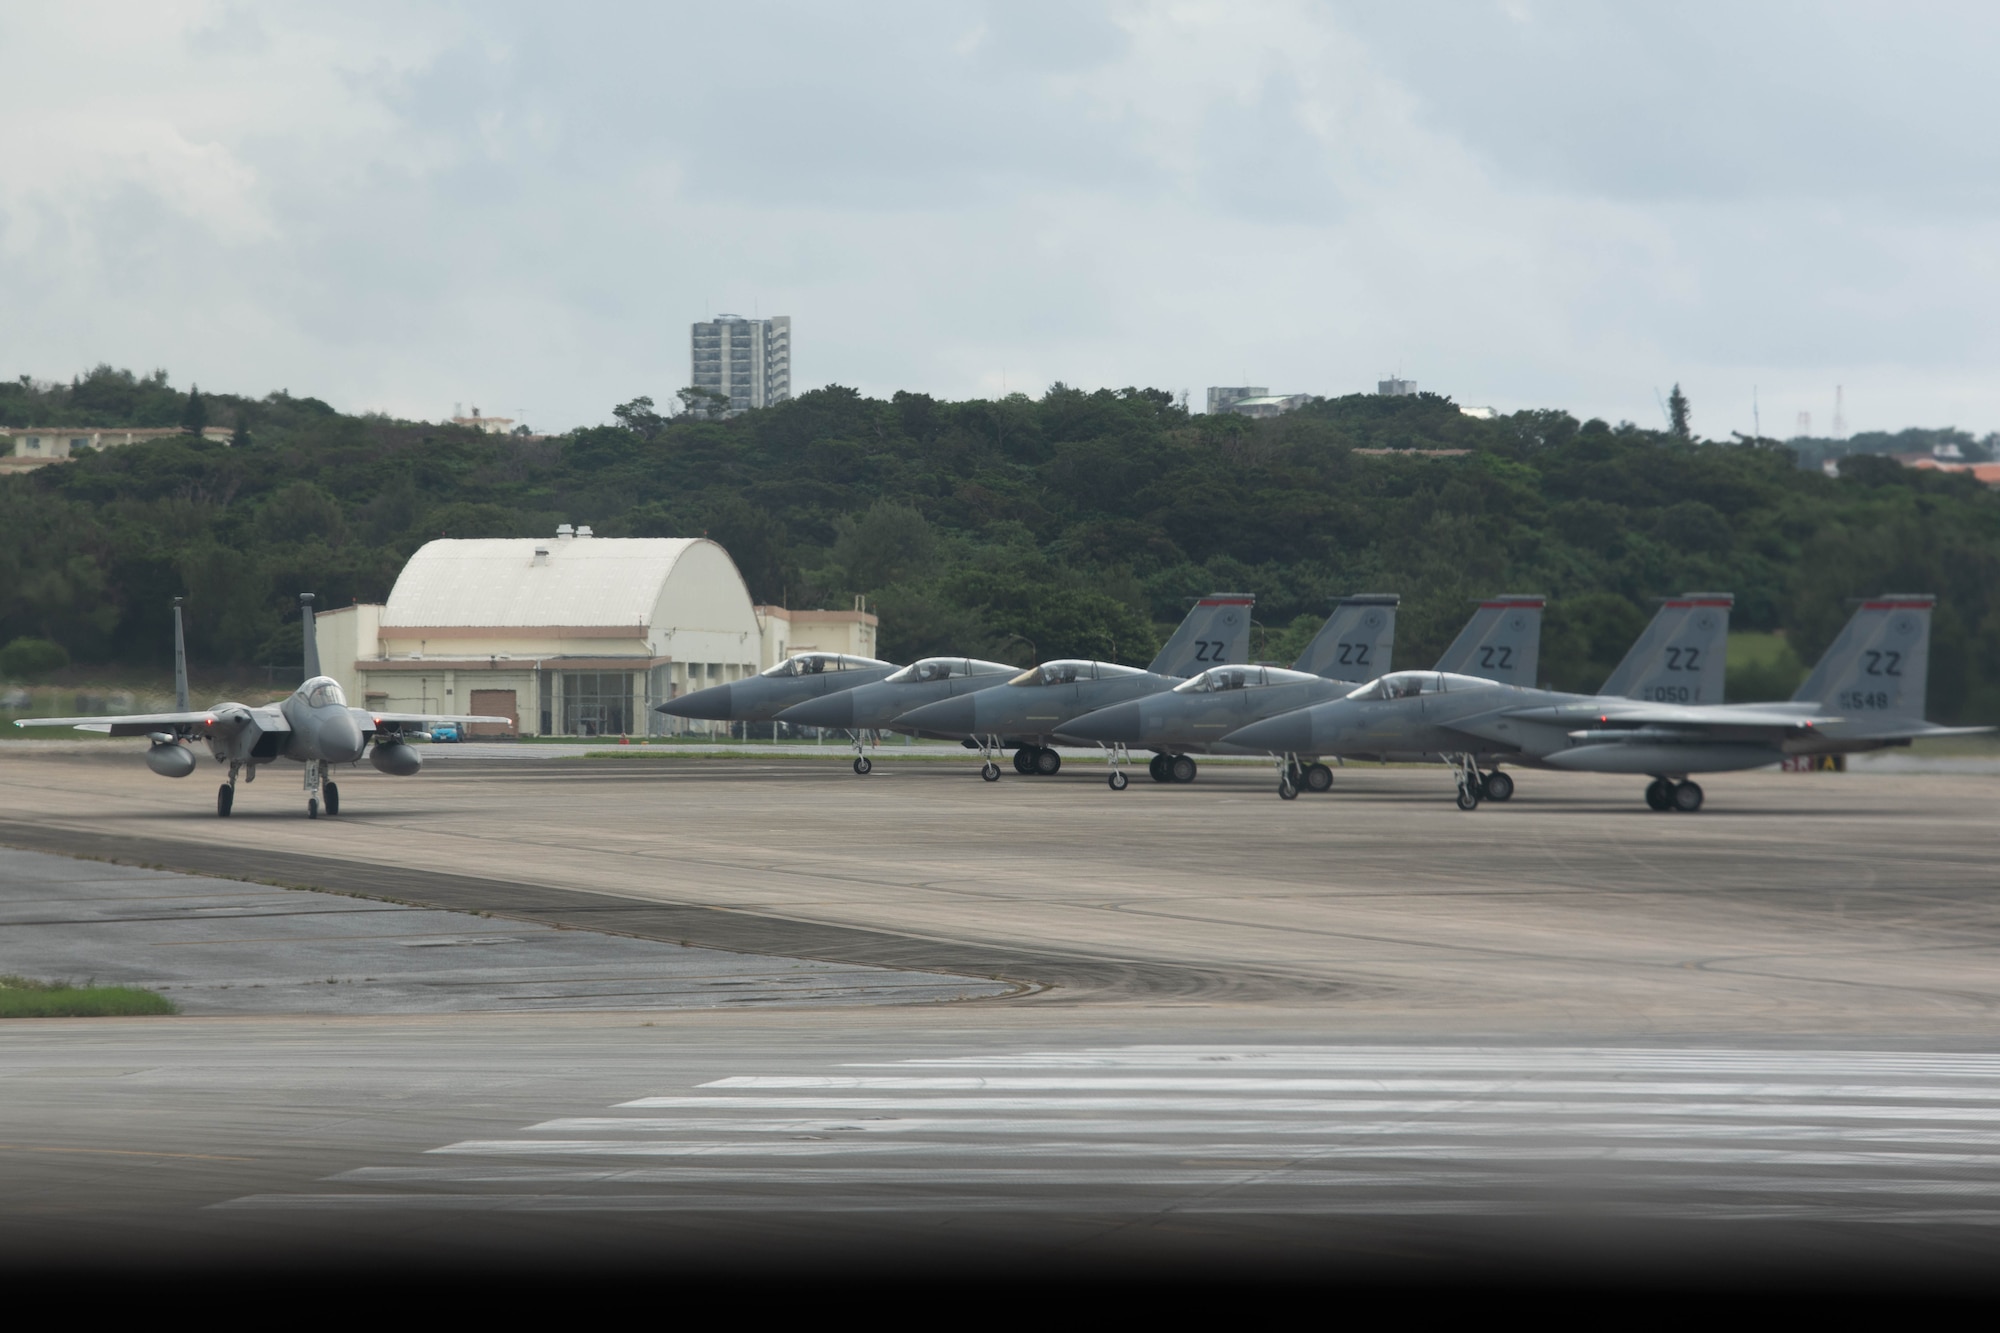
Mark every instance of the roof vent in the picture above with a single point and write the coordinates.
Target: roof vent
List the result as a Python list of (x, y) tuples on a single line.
[(584, 531), (565, 530), (541, 555)]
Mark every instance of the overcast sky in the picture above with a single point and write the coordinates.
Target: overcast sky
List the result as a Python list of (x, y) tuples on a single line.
[(1522, 204)]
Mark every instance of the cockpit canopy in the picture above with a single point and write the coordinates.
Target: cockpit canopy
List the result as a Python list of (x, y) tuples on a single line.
[(815, 664), (323, 692), (1409, 684), (1241, 678), (1070, 670), (948, 668)]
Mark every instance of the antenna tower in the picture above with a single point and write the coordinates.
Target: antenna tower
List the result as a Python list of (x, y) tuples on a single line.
[(1839, 413), (1804, 428), (1756, 417)]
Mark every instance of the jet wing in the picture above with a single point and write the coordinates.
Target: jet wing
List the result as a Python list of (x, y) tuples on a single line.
[(374, 721), (142, 724), (1699, 716)]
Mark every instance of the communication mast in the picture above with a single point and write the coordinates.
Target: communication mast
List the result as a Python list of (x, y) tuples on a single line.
[(1804, 427), (1839, 413)]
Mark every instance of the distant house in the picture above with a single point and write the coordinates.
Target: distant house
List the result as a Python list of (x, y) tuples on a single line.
[(1254, 401), (30, 447)]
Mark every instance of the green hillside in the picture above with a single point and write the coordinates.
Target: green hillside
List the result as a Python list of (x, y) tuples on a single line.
[(1076, 523)]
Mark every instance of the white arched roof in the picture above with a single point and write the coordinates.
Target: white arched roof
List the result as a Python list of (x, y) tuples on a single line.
[(501, 583)]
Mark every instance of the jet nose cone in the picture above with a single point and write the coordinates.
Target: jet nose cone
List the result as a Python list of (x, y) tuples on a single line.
[(835, 710), (340, 739), (1120, 722), (711, 703), (1283, 734), (960, 715)]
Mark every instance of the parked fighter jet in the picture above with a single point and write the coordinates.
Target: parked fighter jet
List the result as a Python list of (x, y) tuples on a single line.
[(876, 707), (313, 726), (1191, 718), (761, 697), (1679, 654), (1027, 713), (1867, 693)]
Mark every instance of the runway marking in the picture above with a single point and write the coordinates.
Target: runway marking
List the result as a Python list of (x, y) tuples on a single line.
[(1851, 1137), (121, 1152)]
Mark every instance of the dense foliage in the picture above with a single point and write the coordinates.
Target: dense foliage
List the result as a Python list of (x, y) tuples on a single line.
[(1073, 524)]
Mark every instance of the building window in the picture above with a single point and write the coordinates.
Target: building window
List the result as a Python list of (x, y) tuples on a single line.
[(597, 703)]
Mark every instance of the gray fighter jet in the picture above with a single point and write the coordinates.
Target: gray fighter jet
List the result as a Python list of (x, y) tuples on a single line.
[(313, 726), (761, 697), (874, 708), (1866, 693), (1354, 644), (1027, 713)]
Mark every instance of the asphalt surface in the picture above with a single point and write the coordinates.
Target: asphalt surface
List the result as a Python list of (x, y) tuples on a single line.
[(1361, 1034)]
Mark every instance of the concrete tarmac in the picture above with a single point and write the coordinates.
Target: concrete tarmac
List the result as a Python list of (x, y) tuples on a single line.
[(1362, 1029)]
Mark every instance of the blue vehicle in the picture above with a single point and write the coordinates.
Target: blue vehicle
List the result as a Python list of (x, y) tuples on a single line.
[(447, 731)]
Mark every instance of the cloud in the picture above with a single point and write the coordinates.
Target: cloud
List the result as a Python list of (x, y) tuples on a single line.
[(1526, 204)]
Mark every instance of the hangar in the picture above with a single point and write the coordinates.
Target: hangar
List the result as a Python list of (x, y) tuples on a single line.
[(577, 635)]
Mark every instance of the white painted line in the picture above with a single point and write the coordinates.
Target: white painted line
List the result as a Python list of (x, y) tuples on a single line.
[(1222, 1083), (1249, 1132), (1516, 1061), (1120, 1204), (1552, 1111)]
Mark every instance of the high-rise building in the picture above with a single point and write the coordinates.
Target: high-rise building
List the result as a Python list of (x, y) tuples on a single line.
[(1396, 388), (747, 361)]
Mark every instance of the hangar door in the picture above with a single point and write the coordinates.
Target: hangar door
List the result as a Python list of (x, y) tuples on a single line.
[(495, 703)]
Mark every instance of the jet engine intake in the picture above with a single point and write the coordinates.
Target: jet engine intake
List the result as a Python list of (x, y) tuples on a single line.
[(170, 760), (396, 759)]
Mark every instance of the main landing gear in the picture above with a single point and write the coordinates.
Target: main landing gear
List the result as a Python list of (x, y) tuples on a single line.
[(1037, 761), (1172, 768), (1665, 794)]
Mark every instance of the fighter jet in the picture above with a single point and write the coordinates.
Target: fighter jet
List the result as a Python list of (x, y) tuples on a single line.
[(1684, 641), (770, 692), (1866, 693), (874, 708), (313, 726), (1027, 713), (1191, 718)]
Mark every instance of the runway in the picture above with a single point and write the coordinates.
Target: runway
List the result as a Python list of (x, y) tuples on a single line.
[(1362, 1030)]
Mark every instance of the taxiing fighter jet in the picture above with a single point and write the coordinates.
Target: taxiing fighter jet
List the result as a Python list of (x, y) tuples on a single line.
[(1193, 717), (1026, 714), (313, 726), (1866, 693), (876, 707), (760, 698)]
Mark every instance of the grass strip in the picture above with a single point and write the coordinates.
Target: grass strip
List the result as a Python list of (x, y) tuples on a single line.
[(22, 997)]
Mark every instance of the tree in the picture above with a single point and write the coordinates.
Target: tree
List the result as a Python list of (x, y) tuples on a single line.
[(702, 403), (240, 437), (1677, 414), (194, 414), (639, 417)]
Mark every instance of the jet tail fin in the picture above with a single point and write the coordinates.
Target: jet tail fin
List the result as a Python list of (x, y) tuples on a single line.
[(1357, 640), (1879, 664), (1216, 630), (180, 662), (1502, 642), (306, 615), (1682, 656)]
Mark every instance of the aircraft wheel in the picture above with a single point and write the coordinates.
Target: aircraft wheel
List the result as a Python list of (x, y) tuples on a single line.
[(225, 800), (1182, 768), (332, 799), (1047, 762), (1498, 786), (1687, 797), (1659, 794), (312, 807), (1468, 799), (1157, 767), (1024, 760), (1119, 782), (1286, 790), (991, 772), (1319, 777), (863, 764)]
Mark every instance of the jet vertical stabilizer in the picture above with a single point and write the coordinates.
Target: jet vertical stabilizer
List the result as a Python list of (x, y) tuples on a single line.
[(1502, 642), (1680, 658), (311, 625), (1357, 640), (1216, 631), (180, 662), (1876, 668)]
